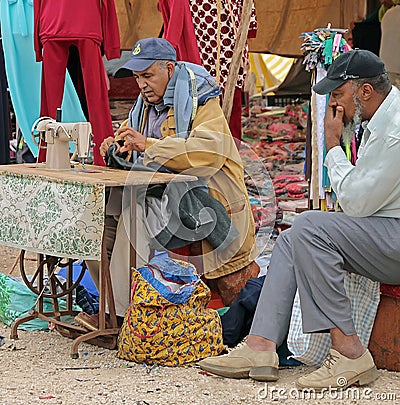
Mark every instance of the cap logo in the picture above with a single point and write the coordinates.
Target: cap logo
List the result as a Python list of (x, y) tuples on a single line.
[(136, 50), (345, 76)]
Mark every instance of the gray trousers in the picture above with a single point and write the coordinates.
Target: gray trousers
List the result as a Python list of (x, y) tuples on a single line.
[(312, 256)]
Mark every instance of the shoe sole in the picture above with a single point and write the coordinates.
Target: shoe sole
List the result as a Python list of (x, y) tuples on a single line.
[(265, 373), (225, 372), (361, 379)]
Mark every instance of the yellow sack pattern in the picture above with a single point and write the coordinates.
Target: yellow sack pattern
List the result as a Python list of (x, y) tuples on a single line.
[(156, 331)]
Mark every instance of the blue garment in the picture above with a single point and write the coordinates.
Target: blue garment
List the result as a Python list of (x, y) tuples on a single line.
[(86, 281), (179, 96), (24, 74), (88, 302), (170, 272)]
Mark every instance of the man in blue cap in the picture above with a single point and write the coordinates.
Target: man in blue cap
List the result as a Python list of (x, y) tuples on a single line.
[(313, 256), (177, 122)]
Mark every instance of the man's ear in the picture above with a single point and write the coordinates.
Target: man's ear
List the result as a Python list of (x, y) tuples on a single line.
[(366, 91), (170, 69)]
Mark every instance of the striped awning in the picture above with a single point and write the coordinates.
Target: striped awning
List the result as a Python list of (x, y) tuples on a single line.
[(269, 70)]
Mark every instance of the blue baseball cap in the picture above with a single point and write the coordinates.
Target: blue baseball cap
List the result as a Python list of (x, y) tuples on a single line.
[(147, 51)]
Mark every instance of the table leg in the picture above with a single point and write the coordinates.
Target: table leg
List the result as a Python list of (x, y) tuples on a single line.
[(106, 294), (132, 229)]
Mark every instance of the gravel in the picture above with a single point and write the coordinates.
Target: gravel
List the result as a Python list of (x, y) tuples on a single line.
[(37, 369)]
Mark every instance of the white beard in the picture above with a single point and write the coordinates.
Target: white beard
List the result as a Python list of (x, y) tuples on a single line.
[(349, 129)]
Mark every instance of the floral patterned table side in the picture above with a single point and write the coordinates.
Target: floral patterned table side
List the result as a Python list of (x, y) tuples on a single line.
[(55, 217)]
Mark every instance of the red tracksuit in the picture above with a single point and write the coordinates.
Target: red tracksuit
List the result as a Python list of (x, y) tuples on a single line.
[(91, 26)]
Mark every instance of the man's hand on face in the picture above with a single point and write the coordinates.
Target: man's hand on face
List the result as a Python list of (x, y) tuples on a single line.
[(133, 140), (105, 145), (333, 125)]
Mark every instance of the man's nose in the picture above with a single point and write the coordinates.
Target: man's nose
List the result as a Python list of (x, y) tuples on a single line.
[(141, 83), (332, 101)]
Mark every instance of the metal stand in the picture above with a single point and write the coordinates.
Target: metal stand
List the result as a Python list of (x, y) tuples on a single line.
[(102, 337)]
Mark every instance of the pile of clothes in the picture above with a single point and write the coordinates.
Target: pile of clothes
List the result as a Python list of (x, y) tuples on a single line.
[(276, 137)]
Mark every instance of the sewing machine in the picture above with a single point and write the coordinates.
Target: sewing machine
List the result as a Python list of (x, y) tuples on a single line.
[(57, 135)]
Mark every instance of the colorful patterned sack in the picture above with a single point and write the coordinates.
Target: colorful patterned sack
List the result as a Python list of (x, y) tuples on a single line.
[(158, 331)]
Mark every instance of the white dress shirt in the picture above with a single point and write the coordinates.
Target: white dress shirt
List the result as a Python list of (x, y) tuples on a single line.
[(372, 186)]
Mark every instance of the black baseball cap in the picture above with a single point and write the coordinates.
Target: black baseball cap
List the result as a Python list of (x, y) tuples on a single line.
[(355, 64), (147, 51)]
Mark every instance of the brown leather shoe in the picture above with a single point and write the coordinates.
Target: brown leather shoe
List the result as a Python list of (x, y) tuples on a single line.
[(92, 322)]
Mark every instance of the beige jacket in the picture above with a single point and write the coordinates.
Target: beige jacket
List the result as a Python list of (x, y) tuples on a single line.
[(210, 152)]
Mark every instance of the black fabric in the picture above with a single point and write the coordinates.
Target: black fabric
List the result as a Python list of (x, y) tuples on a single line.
[(5, 127), (119, 160), (87, 301), (75, 71), (236, 322), (195, 215), (23, 153), (367, 35)]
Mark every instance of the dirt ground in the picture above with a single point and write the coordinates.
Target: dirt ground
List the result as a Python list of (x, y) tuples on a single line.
[(38, 369)]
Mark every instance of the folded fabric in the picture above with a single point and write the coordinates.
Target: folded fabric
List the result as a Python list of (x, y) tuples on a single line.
[(174, 279), (296, 188)]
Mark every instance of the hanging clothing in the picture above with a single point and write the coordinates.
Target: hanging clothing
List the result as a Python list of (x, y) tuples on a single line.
[(179, 29), (4, 112), (192, 29), (76, 19), (216, 25), (93, 30), (55, 57), (389, 42), (210, 39), (24, 73)]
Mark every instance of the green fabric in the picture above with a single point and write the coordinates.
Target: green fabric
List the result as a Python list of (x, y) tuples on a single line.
[(16, 300), (222, 311)]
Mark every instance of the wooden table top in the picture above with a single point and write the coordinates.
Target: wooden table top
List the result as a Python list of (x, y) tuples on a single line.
[(91, 174)]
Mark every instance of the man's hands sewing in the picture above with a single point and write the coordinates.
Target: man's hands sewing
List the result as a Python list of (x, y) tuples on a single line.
[(133, 140), (333, 125)]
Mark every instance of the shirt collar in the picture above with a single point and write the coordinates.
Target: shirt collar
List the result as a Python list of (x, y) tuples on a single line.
[(158, 107), (379, 118)]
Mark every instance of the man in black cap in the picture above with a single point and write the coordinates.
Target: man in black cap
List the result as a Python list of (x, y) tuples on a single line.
[(315, 253)]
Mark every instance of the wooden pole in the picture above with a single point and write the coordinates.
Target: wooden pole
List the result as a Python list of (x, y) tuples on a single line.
[(240, 44), (16, 261)]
